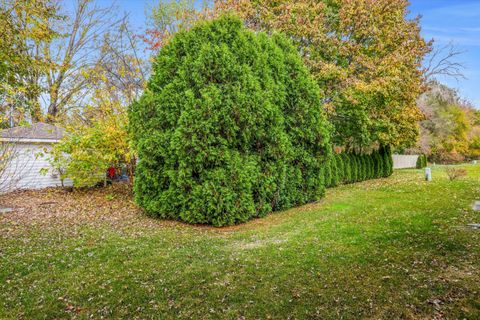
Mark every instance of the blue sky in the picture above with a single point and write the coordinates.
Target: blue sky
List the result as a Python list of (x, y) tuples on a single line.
[(456, 21)]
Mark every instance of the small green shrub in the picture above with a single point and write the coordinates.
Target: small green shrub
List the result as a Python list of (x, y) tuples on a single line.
[(421, 161), (419, 164)]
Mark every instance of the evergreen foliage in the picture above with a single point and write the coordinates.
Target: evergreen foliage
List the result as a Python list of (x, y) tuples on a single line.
[(340, 168), (334, 170), (352, 167), (371, 166), (378, 164), (363, 161), (229, 128), (386, 155), (421, 161), (328, 173), (347, 167)]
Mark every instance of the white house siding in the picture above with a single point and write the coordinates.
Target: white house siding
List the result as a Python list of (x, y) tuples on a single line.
[(25, 170), (404, 161)]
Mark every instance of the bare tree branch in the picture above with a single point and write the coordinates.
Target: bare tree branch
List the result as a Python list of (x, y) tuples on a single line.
[(442, 62)]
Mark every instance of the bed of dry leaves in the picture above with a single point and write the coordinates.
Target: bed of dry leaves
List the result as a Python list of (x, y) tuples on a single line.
[(65, 210)]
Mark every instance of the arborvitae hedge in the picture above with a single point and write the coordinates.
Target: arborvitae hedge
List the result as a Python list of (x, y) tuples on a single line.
[(371, 167), (340, 168), (347, 167), (363, 168), (334, 169), (378, 167), (351, 167), (328, 173), (388, 155), (229, 128)]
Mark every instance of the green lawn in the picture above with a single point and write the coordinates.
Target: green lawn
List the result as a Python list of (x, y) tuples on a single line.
[(389, 248)]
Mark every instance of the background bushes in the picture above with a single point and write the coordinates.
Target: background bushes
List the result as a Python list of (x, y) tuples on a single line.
[(421, 161), (352, 167), (229, 128)]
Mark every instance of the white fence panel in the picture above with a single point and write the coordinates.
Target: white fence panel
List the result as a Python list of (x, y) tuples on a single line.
[(401, 161)]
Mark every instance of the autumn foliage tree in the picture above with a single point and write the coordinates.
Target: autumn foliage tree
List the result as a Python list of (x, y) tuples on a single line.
[(366, 56), (168, 17), (97, 137), (451, 129), (23, 25)]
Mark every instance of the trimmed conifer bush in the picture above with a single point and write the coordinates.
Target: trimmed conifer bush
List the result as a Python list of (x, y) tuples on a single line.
[(347, 167), (419, 164), (334, 170), (340, 168), (363, 160), (390, 160), (421, 161), (358, 169), (229, 127), (371, 167), (354, 167), (328, 173), (387, 161)]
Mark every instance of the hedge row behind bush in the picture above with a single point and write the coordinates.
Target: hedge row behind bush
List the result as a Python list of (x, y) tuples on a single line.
[(344, 168)]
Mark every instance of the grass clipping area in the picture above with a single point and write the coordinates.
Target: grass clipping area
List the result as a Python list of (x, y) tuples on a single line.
[(388, 248)]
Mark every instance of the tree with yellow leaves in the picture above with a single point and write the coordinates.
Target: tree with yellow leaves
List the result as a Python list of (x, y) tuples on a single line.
[(365, 54), (96, 136), (23, 25)]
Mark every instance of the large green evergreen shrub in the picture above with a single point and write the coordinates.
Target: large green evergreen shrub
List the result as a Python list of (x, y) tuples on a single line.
[(229, 128)]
